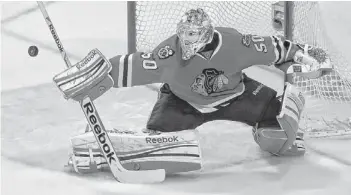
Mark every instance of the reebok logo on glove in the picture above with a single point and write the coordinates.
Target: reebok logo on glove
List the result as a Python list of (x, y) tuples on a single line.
[(87, 59)]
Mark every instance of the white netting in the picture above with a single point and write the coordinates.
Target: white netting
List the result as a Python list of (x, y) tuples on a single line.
[(329, 104)]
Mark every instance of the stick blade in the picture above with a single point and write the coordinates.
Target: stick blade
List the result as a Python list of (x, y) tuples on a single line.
[(141, 177)]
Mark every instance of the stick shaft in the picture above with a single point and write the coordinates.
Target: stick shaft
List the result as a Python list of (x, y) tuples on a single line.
[(54, 34)]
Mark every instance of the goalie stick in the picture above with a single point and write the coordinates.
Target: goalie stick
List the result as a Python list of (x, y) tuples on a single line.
[(119, 172)]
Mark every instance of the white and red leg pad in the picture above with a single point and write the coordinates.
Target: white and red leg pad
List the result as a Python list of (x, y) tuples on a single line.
[(174, 152), (278, 140)]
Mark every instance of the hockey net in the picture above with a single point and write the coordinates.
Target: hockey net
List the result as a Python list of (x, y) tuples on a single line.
[(328, 109)]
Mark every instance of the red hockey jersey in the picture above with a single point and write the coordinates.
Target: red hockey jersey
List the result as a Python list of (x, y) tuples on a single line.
[(207, 79)]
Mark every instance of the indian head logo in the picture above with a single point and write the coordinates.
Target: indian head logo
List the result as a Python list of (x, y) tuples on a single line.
[(210, 81), (165, 52)]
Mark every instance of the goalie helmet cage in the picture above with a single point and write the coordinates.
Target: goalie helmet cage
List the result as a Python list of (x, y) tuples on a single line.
[(328, 105)]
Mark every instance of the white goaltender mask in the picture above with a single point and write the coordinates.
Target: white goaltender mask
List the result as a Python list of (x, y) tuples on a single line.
[(194, 31)]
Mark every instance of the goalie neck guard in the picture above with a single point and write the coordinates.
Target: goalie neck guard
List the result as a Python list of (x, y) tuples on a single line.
[(194, 31)]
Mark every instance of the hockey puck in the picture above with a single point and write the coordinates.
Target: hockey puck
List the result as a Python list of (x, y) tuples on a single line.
[(33, 51)]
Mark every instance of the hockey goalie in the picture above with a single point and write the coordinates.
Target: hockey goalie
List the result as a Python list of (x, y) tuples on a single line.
[(201, 68)]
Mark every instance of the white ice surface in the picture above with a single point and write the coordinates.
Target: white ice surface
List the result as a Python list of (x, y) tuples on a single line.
[(37, 121)]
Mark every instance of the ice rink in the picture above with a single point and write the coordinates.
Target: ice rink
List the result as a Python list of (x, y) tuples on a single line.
[(37, 122)]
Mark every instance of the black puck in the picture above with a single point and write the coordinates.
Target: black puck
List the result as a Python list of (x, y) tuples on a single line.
[(33, 51)]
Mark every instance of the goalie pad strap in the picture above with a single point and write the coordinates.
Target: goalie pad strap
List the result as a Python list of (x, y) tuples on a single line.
[(125, 68)]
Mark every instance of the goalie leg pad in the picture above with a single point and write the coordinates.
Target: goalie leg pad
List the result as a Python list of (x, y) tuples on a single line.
[(272, 139), (292, 106), (278, 135), (174, 152)]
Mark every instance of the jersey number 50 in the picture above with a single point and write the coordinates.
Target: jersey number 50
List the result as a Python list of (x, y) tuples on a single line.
[(148, 63), (261, 47)]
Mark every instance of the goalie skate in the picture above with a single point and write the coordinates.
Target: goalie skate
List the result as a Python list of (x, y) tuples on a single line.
[(149, 150)]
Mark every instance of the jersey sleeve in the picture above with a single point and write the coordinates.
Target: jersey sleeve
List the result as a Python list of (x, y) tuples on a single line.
[(143, 68), (135, 69), (264, 50)]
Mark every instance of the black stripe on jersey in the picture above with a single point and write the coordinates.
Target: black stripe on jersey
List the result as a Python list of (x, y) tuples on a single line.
[(278, 48), (125, 71)]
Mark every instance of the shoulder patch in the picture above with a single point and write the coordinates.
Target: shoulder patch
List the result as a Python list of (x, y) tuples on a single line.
[(165, 52), (246, 40)]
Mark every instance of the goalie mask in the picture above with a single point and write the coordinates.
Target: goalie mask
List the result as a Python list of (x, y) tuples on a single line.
[(194, 31)]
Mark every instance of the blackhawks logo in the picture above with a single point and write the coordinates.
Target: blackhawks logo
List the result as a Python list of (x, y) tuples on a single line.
[(210, 81), (165, 52)]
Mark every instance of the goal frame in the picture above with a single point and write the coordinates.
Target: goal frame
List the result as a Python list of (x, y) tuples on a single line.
[(132, 31)]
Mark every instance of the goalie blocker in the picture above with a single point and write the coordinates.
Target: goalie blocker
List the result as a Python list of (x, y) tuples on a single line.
[(88, 78)]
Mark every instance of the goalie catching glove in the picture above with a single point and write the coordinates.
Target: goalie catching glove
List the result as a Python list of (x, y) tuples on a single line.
[(311, 62), (89, 77)]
